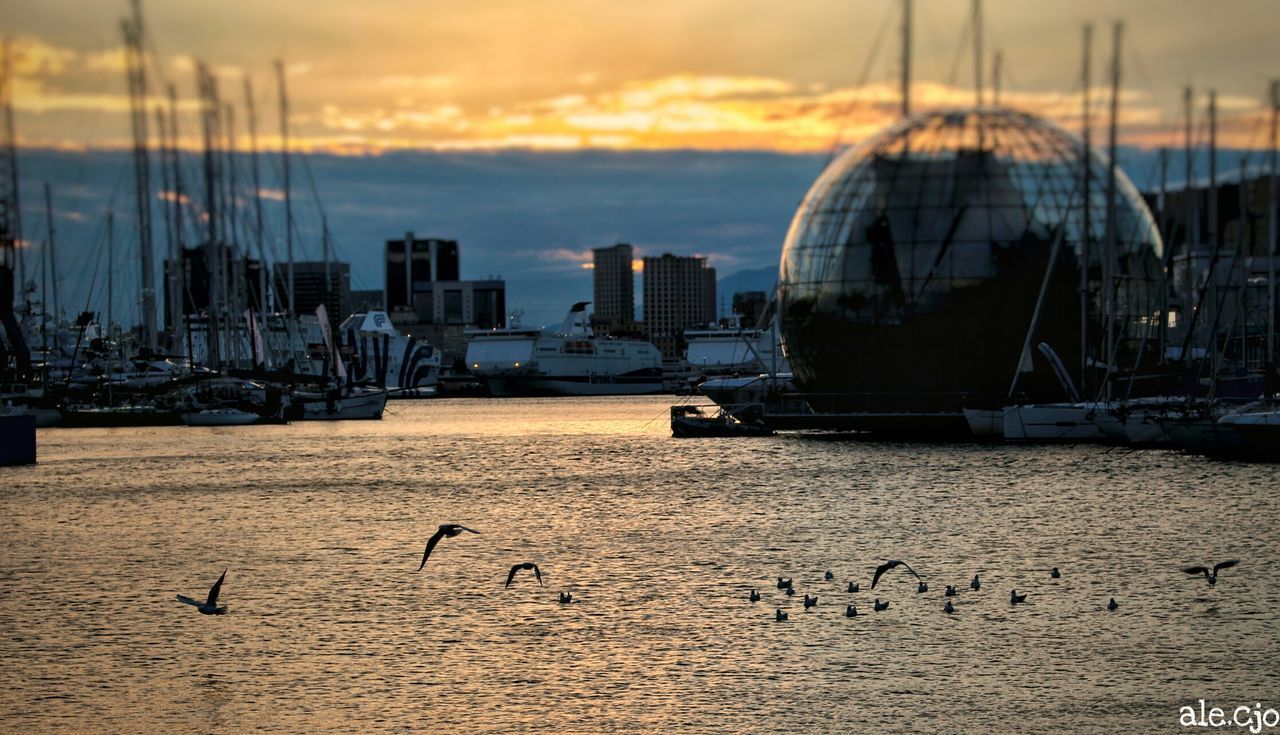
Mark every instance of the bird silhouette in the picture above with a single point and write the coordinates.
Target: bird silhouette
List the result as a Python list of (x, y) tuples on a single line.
[(951, 591), (791, 591), (783, 583), (851, 612), (1212, 576), (209, 606), (1055, 573), (975, 585), (853, 586), (892, 563), (448, 529), (922, 587), (754, 597), (1015, 598), (1113, 604), (949, 607), (829, 576), (780, 616), (810, 601), (881, 605), (566, 597), (527, 565)]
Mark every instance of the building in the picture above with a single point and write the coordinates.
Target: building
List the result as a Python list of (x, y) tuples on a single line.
[(198, 284), (750, 306), (368, 300), (614, 289), (679, 293), (414, 261), (310, 288)]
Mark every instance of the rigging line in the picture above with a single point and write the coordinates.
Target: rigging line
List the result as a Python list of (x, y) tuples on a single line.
[(857, 89), (954, 76)]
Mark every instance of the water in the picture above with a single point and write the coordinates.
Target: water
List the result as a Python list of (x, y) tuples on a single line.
[(660, 540)]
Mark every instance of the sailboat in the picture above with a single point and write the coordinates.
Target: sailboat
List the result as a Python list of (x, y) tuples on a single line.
[(338, 400)]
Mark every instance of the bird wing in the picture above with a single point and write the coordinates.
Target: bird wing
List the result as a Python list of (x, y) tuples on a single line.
[(188, 601), (464, 528), (880, 570), (512, 574), (909, 569), (1197, 570), (431, 544), (215, 589), (1225, 565), (537, 574)]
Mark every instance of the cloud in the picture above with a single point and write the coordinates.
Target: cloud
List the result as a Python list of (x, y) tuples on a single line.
[(32, 56), (429, 82)]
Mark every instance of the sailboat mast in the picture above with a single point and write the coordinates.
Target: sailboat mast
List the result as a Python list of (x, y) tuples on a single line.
[(977, 70), (53, 261), (906, 58), (1271, 234), (996, 70), (1085, 187), (111, 266), (11, 153), (177, 269), (288, 201), (1109, 264), (251, 113)]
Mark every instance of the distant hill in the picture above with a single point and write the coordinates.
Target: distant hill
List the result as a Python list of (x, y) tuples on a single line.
[(758, 279)]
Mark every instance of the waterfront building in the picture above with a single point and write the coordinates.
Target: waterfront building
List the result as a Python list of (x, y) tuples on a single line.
[(679, 293), (614, 308)]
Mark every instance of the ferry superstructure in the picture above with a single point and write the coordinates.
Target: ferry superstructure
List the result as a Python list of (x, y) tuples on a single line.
[(379, 354)]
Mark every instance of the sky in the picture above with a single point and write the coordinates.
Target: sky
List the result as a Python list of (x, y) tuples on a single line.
[(532, 131)]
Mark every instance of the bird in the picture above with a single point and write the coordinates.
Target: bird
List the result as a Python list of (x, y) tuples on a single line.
[(1015, 598), (783, 583), (448, 529), (1212, 577), (780, 616), (755, 596), (1113, 604), (890, 565), (810, 601), (949, 607), (1055, 573), (975, 584), (922, 587), (851, 612), (209, 606), (853, 586), (881, 605), (829, 576), (527, 565), (566, 597), (791, 591), (951, 591)]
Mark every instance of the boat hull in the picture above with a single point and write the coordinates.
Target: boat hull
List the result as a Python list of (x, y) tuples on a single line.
[(365, 406), (1056, 422), (575, 385), (220, 418)]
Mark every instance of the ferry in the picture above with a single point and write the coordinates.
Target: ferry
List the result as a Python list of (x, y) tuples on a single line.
[(380, 355)]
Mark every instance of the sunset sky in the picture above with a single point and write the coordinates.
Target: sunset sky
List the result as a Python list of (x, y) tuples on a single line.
[(557, 74)]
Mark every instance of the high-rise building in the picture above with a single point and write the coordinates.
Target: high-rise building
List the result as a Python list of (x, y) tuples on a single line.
[(413, 261), (615, 287), (209, 275), (310, 289), (679, 293)]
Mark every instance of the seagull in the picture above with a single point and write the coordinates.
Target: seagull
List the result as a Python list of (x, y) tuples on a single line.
[(1212, 576), (1015, 598), (1055, 573), (890, 565), (209, 606), (881, 605), (527, 565), (975, 584), (949, 608), (755, 596), (922, 587), (1113, 604), (791, 591), (853, 586), (829, 576), (810, 601), (448, 529), (851, 612), (783, 583), (780, 616), (951, 591)]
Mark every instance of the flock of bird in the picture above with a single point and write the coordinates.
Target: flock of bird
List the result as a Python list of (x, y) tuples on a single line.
[(449, 530), (851, 611)]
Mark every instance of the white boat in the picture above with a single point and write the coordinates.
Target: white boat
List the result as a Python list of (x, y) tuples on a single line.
[(564, 360), (985, 423), (1058, 422), (334, 405), (735, 351), (380, 355), (219, 417)]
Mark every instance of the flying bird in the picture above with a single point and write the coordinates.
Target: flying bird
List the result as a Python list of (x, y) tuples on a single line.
[(1015, 598), (209, 606), (1212, 576), (448, 529), (890, 565), (517, 567)]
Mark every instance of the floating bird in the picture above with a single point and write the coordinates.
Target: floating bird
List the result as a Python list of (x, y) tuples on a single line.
[(783, 583), (890, 565), (951, 591), (527, 565), (755, 596), (975, 584), (210, 606), (853, 586), (448, 529), (881, 605), (1113, 604), (829, 576), (1015, 598), (949, 608), (566, 597), (1055, 573), (922, 587), (810, 601), (780, 616), (791, 591), (1212, 577), (851, 612)]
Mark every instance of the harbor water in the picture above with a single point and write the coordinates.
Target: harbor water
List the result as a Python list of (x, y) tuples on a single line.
[(331, 628)]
